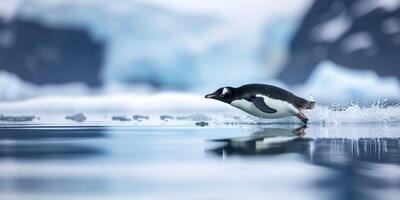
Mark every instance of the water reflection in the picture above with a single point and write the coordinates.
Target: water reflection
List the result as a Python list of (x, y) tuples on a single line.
[(46, 143), (321, 151), (31, 133), (61, 184), (353, 160)]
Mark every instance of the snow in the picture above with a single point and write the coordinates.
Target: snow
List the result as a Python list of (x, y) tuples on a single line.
[(8, 9), (13, 88), (358, 41), (160, 102), (332, 83), (332, 29)]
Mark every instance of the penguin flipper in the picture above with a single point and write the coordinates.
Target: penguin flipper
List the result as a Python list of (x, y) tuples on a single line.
[(260, 104)]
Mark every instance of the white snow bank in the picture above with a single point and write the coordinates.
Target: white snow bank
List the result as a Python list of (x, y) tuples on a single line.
[(160, 102), (335, 84), (13, 88)]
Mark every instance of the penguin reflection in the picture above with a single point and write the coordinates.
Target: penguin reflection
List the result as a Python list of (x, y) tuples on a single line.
[(267, 141), (322, 151)]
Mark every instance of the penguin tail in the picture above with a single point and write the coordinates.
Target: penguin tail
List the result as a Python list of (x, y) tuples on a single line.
[(308, 105)]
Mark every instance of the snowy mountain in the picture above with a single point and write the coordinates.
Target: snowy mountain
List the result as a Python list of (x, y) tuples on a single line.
[(358, 34)]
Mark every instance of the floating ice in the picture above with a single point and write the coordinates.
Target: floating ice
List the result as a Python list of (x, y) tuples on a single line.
[(122, 118), (77, 117), (140, 117), (6, 118), (166, 117), (201, 124)]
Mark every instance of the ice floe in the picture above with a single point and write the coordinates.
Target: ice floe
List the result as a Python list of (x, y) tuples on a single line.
[(80, 117), (21, 118)]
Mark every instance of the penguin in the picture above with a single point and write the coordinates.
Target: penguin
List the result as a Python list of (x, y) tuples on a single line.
[(262, 100)]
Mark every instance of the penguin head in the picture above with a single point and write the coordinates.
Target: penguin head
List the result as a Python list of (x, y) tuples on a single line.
[(224, 94)]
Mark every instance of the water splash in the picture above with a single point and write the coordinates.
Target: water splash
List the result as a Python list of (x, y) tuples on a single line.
[(354, 114)]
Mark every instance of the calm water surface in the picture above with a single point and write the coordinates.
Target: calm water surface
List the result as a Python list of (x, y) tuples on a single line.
[(234, 162)]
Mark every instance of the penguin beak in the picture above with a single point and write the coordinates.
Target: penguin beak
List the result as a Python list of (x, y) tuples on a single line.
[(210, 96)]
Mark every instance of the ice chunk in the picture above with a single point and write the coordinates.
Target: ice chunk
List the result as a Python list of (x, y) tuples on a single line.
[(166, 117), (122, 118), (80, 117), (140, 117), (202, 124), (23, 118)]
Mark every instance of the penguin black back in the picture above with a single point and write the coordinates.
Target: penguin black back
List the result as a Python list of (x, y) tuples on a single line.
[(275, 93)]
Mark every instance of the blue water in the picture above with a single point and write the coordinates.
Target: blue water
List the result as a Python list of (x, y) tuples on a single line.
[(233, 162)]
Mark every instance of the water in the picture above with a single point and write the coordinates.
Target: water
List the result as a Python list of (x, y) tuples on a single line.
[(269, 161)]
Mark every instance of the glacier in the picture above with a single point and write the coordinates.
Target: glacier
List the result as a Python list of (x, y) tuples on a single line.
[(178, 44)]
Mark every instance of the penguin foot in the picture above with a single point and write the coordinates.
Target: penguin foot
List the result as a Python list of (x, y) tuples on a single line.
[(300, 131), (302, 117)]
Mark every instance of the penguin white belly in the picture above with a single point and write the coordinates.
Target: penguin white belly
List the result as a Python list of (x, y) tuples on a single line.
[(283, 108)]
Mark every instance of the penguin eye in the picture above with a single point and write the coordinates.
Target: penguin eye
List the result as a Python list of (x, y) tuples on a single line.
[(224, 91)]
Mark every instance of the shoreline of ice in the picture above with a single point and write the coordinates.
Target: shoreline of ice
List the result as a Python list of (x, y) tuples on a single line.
[(180, 108)]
